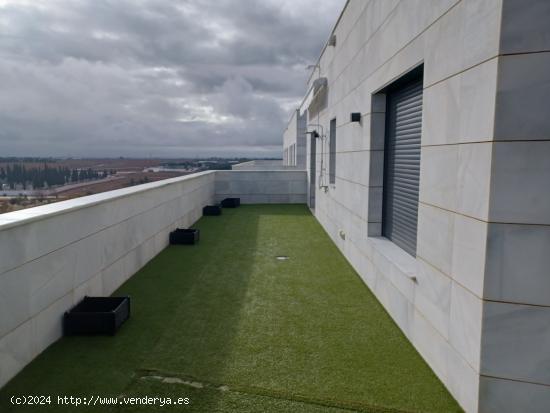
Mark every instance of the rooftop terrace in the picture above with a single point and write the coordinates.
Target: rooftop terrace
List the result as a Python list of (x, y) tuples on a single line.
[(234, 329)]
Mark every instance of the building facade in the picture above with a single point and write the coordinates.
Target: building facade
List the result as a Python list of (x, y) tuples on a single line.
[(294, 141), (428, 160)]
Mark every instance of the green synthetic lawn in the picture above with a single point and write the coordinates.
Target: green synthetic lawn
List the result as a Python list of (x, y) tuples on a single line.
[(235, 330)]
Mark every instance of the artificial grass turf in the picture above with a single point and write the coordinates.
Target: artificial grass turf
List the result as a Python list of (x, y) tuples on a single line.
[(303, 334)]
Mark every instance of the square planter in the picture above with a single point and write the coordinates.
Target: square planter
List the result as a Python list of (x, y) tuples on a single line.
[(231, 202), (184, 236), (211, 210), (97, 315)]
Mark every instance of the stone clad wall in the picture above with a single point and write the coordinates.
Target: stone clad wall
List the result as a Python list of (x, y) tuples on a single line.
[(480, 270), (515, 360), (475, 299)]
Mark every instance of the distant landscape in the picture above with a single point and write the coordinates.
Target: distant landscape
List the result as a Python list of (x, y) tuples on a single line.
[(30, 182)]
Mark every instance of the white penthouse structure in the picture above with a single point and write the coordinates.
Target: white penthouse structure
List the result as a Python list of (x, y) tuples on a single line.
[(428, 159)]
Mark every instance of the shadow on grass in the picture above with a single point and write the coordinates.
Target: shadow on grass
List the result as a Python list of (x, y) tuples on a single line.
[(198, 335)]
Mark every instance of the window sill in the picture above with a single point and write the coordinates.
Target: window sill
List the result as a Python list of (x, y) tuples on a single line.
[(405, 263)]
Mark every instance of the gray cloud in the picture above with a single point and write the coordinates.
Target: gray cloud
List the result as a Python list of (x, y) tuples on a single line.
[(159, 77)]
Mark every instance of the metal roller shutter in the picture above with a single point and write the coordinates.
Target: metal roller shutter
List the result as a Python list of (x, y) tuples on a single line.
[(402, 164), (332, 153)]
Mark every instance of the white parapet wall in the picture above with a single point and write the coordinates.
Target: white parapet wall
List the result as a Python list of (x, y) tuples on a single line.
[(52, 256), (262, 187), (264, 165)]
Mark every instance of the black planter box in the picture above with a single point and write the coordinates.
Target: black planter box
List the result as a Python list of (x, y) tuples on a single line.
[(97, 315), (183, 236), (211, 210), (231, 202)]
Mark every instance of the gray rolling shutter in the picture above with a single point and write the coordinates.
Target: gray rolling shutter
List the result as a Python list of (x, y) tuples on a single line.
[(332, 153), (402, 165)]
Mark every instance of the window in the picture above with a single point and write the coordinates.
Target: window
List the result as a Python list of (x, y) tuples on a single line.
[(402, 161), (332, 153)]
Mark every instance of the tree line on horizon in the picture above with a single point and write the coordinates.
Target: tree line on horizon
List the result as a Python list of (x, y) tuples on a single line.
[(47, 176)]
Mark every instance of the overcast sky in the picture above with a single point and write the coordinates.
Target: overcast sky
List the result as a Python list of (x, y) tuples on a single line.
[(161, 78)]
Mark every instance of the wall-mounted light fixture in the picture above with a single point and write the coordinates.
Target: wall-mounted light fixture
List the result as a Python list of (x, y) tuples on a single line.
[(355, 117), (332, 40)]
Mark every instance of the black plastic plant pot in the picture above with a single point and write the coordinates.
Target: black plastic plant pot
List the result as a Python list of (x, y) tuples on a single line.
[(211, 210), (96, 315), (183, 236), (231, 202)]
